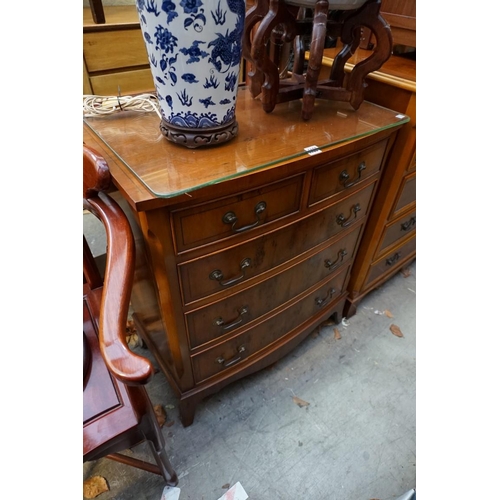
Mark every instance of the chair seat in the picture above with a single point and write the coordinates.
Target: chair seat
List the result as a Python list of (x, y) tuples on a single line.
[(107, 409)]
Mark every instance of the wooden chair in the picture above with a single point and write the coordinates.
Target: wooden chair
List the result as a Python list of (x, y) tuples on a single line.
[(117, 412)]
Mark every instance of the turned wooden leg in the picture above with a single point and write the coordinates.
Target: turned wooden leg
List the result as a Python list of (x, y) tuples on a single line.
[(368, 16), (253, 16), (278, 14), (262, 61), (337, 73), (315, 58), (299, 52)]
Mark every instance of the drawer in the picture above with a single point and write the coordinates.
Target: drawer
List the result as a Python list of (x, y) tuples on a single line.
[(407, 193), (218, 271), (231, 313), (391, 261), (237, 350), (213, 221), (333, 178), (105, 50), (398, 229), (129, 82)]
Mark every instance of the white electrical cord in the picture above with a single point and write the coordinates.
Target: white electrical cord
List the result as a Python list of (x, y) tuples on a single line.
[(95, 105)]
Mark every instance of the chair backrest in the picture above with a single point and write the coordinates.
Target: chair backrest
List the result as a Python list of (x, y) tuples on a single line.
[(111, 296)]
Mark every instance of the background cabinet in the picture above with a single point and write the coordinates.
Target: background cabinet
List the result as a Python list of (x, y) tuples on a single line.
[(115, 60), (389, 242), (402, 18)]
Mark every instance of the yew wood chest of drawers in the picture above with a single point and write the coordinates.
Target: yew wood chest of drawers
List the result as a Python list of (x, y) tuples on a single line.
[(244, 248)]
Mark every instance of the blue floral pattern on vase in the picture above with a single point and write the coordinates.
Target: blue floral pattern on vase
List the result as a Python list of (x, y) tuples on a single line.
[(194, 50)]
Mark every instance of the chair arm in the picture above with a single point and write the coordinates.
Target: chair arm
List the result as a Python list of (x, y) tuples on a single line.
[(124, 364)]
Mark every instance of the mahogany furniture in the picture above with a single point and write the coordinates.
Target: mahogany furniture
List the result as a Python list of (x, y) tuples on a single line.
[(389, 242), (267, 17), (117, 412), (248, 246)]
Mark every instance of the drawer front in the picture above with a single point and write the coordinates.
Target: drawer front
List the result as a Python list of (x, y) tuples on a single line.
[(333, 178), (114, 49), (391, 261), (129, 82), (235, 351), (204, 224), (407, 194), (213, 273), (231, 313), (398, 229)]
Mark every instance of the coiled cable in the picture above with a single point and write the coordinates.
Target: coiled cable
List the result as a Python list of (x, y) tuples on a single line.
[(96, 105)]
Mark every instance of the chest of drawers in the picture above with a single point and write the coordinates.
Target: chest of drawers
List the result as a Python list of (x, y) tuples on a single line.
[(389, 241), (245, 248)]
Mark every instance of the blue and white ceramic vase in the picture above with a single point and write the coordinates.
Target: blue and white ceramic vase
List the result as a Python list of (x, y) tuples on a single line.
[(194, 49)]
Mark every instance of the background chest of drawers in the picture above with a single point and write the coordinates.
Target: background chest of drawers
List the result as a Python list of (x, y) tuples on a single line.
[(389, 242), (243, 269)]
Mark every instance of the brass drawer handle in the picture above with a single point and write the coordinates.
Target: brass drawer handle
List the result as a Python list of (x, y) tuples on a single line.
[(321, 302), (230, 218), (231, 362), (234, 322), (409, 224), (218, 276), (344, 176), (392, 260), (338, 261), (342, 221)]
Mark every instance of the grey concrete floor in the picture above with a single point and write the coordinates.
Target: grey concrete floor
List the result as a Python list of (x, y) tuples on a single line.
[(356, 440)]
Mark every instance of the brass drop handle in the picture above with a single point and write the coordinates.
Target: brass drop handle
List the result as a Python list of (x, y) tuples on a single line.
[(218, 276), (338, 261), (342, 221), (408, 224), (230, 218), (231, 362), (344, 176), (390, 261), (321, 302), (234, 322)]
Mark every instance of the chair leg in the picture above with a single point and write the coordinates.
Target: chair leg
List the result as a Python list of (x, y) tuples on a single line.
[(154, 436), (163, 462)]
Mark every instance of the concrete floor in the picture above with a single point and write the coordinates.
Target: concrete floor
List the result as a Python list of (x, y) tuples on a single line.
[(356, 440)]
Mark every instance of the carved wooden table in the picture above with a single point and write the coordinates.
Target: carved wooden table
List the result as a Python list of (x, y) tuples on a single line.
[(248, 246), (283, 21)]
